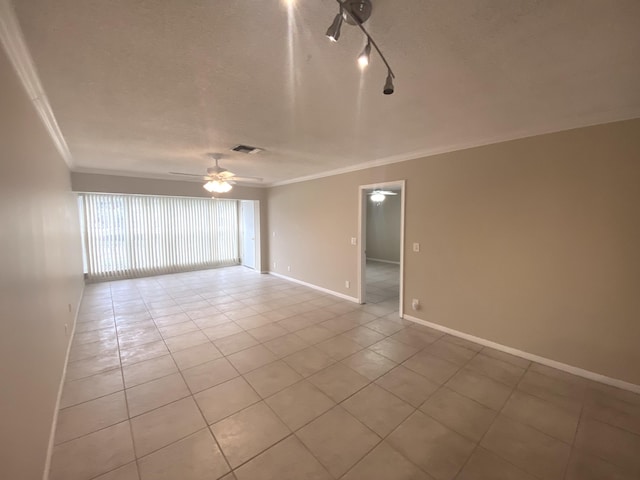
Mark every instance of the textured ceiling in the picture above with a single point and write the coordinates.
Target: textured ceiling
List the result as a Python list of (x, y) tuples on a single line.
[(148, 87)]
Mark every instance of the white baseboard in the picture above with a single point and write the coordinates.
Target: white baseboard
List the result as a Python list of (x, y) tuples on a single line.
[(52, 435), (382, 261), (614, 382), (315, 287)]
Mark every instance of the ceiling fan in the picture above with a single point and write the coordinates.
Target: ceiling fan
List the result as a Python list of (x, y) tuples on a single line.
[(379, 195), (218, 179)]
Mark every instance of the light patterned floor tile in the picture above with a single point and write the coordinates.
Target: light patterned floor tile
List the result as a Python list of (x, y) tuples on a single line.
[(248, 432), (300, 403), (337, 440), (88, 388), (225, 399), (196, 457), (93, 454), (385, 463), (287, 460), (338, 381), (378, 409), (156, 393), (165, 425), (90, 416), (439, 451), (272, 378)]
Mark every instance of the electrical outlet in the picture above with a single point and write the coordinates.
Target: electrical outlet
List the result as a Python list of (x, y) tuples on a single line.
[(347, 284), (354, 241), (288, 268), (416, 247), (274, 265), (415, 304), (274, 234)]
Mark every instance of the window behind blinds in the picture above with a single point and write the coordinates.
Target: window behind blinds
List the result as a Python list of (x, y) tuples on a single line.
[(131, 236)]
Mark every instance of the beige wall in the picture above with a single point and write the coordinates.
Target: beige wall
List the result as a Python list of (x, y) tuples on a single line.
[(383, 228), (40, 277), (533, 243), (91, 182)]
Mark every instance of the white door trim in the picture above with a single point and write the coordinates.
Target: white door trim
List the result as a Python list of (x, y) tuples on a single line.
[(254, 205), (256, 234), (362, 230)]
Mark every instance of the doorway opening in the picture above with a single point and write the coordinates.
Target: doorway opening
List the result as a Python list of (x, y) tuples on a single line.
[(381, 252), (249, 222)]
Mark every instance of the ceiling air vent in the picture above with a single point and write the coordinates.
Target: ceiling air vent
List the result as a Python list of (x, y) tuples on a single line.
[(246, 149)]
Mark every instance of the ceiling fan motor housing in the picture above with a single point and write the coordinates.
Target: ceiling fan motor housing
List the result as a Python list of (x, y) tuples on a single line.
[(215, 170)]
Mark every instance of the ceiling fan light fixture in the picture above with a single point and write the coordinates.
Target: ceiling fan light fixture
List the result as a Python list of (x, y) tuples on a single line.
[(377, 197), (333, 32), (217, 186)]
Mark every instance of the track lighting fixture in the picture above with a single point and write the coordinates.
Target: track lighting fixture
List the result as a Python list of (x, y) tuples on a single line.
[(333, 32), (388, 85), (356, 12), (363, 59)]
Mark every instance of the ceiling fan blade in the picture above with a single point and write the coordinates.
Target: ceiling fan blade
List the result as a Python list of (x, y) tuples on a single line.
[(247, 179), (383, 192), (188, 175)]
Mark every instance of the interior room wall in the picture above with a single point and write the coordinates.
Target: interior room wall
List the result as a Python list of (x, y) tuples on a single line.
[(98, 183), (383, 229), (531, 243), (40, 281)]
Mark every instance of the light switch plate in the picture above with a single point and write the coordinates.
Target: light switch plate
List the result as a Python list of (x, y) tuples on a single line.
[(416, 247), (354, 241)]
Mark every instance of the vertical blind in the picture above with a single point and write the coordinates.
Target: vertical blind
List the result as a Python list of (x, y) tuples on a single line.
[(129, 236)]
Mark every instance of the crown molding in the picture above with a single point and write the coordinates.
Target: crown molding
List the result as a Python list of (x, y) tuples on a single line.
[(403, 157), (428, 152), (155, 176), (13, 41), (16, 48)]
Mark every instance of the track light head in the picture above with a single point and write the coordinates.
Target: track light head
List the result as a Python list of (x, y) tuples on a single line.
[(356, 12), (333, 32), (388, 85), (363, 59)]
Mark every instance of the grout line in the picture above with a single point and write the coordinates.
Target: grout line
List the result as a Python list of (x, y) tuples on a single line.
[(137, 457), (116, 468), (485, 434), (56, 408), (573, 441), (207, 426), (339, 312), (570, 369), (126, 399)]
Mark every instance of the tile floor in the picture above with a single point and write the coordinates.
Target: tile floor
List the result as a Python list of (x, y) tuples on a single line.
[(227, 374), (383, 282)]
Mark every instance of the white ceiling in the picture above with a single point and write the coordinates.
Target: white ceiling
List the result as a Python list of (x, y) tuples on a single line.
[(146, 87)]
